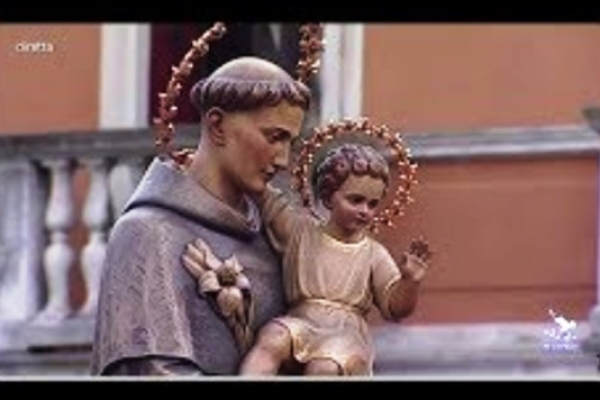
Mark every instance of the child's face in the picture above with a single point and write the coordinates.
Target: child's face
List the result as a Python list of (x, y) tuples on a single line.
[(354, 204)]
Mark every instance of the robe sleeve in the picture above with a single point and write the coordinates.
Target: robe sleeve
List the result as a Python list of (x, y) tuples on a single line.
[(384, 274), (281, 217)]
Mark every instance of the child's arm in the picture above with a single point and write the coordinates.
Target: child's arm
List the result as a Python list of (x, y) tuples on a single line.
[(398, 298), (404, 292), (279, 215)]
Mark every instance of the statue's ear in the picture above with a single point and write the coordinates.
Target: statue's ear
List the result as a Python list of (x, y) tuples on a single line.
[(214, 125)]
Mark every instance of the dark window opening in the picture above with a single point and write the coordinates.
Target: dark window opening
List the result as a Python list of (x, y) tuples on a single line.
[(169, 43)]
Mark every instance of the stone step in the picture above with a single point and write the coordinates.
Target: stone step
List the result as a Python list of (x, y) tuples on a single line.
[(507, 349), (65, 362), (462, 351)]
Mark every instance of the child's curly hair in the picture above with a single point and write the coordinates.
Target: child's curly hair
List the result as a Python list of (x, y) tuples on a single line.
[(346, 159)]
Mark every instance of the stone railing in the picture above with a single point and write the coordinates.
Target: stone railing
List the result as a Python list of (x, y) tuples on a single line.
[(43, 199), (41, 204)]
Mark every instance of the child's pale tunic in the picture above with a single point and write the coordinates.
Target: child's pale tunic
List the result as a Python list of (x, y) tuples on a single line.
[(330, 286)]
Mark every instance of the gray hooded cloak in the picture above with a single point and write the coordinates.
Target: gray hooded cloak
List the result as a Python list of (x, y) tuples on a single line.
[(149, 304)]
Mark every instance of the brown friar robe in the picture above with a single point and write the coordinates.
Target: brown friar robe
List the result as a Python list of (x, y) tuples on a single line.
[(151, 319)]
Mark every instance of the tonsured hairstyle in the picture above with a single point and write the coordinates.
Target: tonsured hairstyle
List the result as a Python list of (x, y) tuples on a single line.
[(346, 159), (243, 93)]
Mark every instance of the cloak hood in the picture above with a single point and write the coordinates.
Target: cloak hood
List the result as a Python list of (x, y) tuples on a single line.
[(165, 187)]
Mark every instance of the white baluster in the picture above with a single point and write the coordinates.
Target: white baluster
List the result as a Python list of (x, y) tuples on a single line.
[(58, 256), (124, 177), (96, 218)]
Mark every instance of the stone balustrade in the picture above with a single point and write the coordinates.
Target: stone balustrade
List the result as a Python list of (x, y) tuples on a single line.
[(40, 209)]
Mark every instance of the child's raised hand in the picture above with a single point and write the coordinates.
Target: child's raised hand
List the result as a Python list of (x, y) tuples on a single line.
[(420, 248), (414, 263)]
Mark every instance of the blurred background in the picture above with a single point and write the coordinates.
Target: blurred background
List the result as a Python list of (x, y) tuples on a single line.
[(501, 119)]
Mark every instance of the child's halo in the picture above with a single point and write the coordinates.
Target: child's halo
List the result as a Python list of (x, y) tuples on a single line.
[(400, 154)]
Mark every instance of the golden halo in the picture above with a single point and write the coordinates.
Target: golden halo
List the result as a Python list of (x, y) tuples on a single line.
[(401, 155), (167, 110), (311, 47)]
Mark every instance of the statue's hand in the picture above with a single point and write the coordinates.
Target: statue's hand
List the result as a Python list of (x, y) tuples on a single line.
[(420, 248), (413, 267), (414, 262)]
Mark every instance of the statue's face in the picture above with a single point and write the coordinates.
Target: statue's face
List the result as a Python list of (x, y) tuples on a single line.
[(354, 204), (259, 144)]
